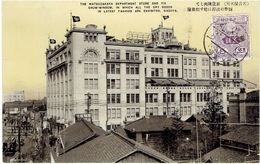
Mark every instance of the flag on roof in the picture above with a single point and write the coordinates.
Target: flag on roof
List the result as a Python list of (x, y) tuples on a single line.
[(165, 17), (52, 41), (75, 18)]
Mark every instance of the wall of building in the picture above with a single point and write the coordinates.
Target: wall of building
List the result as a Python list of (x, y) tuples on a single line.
[(68, 86), (16, 96), (139, 157), (81, 51)]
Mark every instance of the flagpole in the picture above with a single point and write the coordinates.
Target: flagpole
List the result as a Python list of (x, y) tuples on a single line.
[(161, 20), (49, 41), (70, 20)]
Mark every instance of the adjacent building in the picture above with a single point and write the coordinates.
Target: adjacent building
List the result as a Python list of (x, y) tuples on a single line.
[(16, 96), (85, 142), (244, 107), (238, 146), (110, 81)]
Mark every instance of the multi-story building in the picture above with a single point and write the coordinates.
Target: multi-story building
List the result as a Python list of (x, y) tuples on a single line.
[(113, 81), (16, 96)]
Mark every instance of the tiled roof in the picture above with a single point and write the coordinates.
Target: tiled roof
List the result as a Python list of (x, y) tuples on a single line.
[(167, 81), (78, 133), (201, 82), (224, 155), (198, 117), (24, 104), (107, 148), (246, 134), (154, 124), (121, 131), (253, 96)]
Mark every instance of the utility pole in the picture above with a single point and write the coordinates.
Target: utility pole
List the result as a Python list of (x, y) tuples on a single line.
[(197, 138), (19, 132), (220, 129), (167, 100), (88, 106)]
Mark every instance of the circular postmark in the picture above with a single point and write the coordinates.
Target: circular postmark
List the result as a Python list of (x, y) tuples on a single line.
[(227, 39)]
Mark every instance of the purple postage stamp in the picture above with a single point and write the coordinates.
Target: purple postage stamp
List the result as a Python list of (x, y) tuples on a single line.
[(231, 38)]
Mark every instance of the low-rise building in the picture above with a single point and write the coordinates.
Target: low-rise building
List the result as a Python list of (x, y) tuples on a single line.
[(168, 135), (16, 96), (85, 142), (244, 107), (237, 146)]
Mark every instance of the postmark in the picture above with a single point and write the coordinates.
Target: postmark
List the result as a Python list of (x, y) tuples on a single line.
[(227, 39)]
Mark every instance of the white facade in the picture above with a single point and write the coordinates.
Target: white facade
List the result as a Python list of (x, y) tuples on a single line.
[(115, 74), (16, 96)]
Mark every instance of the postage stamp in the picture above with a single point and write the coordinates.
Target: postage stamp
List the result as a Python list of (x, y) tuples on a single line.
[(230, 38)]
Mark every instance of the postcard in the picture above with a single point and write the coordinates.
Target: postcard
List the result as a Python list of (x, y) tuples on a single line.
[(130, 81)]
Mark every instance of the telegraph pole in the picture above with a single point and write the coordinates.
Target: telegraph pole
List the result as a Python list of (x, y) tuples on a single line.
[(88, 106), (88, 103), (167, 100), (19, 132)]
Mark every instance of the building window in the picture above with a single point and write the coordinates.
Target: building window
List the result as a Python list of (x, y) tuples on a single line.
[(151, 111), (132, 55), (132, 83), (156, 72), (151, 97), (114, 113), (185, 97), (91, 83), (185, 62), (185, 73), (113, 83), (215, 64), (205, 73), (236, 74), (186, 110), (113, 68), (190, 61), (194, 73), (215, 73), (113, 54), (94, 114), (173, 60), (133, 112), (132, 98), (226, 74), (91, 68), (202, 97), (173, 72), (171, 97), (113, 98), (205, 61), (194, 61), (93, 98), (132, 69), (190, 73), (156, 60)]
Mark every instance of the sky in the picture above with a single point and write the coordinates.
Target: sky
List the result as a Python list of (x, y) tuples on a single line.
[(27, 24)]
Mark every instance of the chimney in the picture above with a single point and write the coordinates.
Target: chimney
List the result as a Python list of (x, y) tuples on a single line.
[(242, 105), (242, 94)]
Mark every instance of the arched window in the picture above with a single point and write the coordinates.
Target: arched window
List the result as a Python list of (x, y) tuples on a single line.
[(90, 55)]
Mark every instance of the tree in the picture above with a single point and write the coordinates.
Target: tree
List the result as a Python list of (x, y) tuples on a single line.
[(170, 137), (213, 112)]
